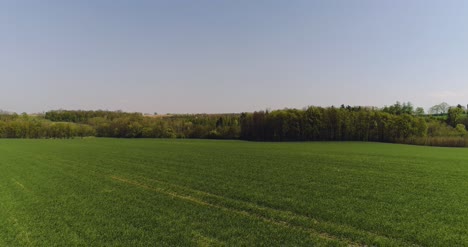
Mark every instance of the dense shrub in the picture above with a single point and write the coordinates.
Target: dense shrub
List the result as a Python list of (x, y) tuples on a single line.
[(440, 141)]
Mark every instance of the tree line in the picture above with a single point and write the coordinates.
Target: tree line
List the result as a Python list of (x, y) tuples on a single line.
[(136, 125), (398, 123), (330, 124), (24, 126)]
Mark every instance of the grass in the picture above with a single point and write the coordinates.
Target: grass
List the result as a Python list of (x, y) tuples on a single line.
[(113, 192)]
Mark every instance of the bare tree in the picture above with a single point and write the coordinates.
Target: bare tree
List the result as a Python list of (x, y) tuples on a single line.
[(441, 108)]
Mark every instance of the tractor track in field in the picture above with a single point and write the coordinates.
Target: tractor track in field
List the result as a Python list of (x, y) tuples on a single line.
[(203, 240), (232, 210), (205, 193), (273, 216)]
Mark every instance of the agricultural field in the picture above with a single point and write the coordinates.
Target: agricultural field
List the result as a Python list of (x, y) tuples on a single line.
[(156, 192)]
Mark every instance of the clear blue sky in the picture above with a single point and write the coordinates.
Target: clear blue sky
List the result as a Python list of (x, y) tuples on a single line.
[(230, 56)]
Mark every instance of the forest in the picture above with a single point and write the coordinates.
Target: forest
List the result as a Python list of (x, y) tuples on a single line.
[(398, 123)]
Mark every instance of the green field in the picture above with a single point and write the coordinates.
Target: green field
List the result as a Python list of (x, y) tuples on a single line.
[(115, 192)]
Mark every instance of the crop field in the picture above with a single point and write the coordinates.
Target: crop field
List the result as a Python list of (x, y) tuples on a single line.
[(150, 192)]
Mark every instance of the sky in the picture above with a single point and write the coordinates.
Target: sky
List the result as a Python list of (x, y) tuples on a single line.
[(216, 56)]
